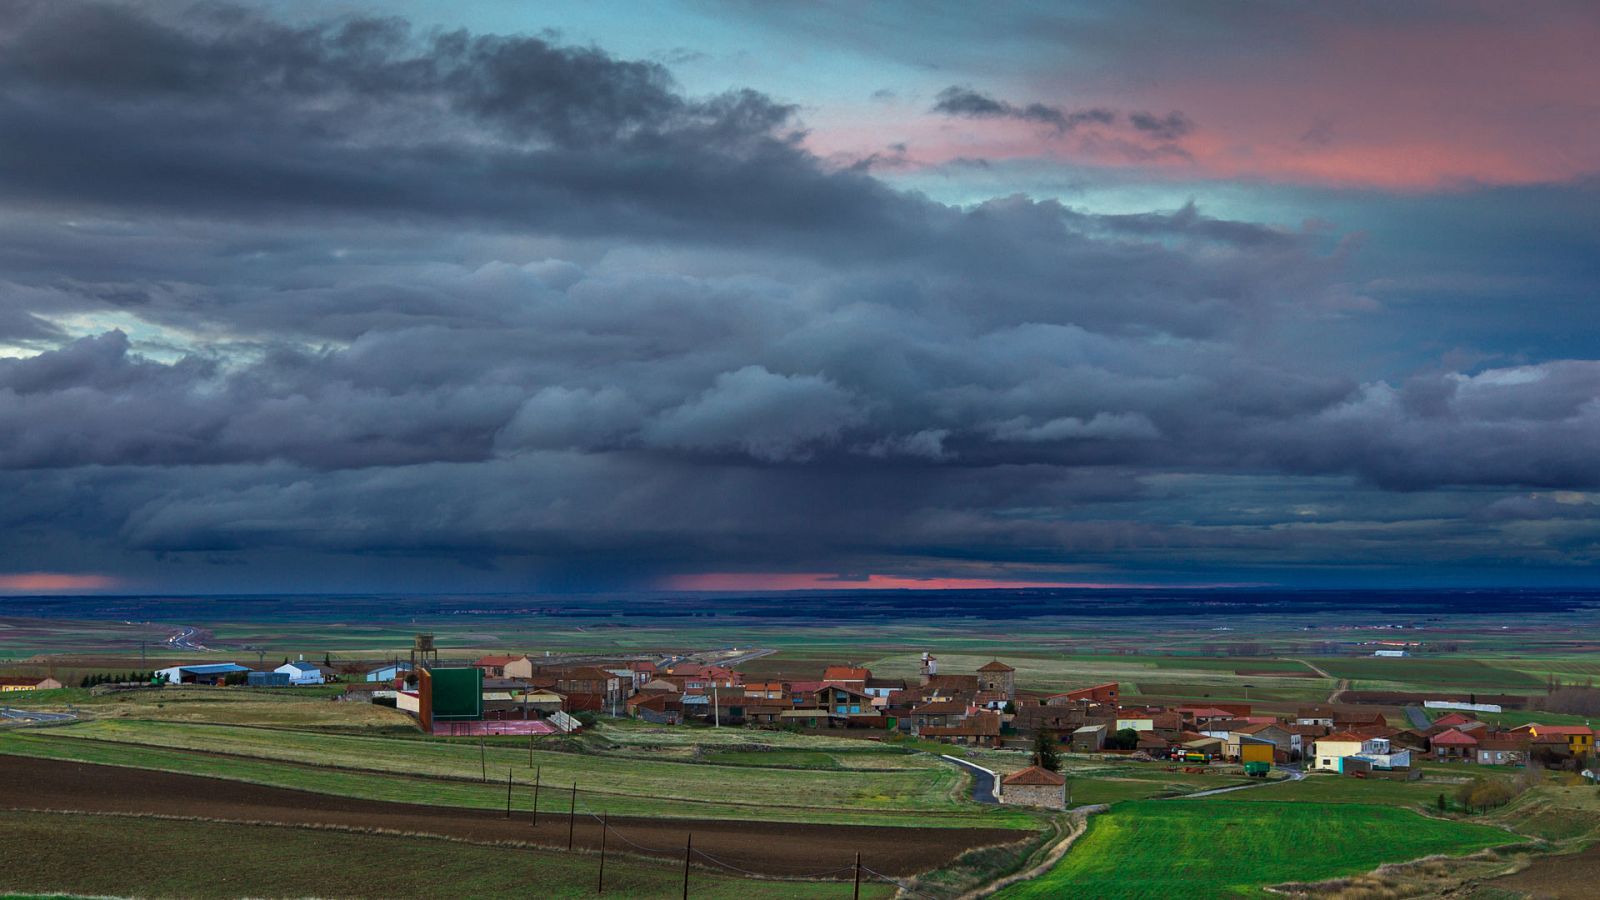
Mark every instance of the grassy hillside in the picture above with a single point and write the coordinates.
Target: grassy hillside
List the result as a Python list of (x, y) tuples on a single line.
[(1218, 848)]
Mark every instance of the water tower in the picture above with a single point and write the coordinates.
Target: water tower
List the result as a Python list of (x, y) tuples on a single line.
[(423, 650)]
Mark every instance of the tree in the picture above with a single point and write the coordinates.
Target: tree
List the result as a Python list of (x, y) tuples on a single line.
[(1126, 739), (1010, 708), (1442, 804), (1044, 752)]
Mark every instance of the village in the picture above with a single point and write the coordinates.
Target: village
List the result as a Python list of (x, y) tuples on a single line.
[(524, 695)]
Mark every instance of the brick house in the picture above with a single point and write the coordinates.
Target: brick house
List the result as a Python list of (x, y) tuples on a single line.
[(1453, 744), (591, 680), (1503, 750), (980, 729)]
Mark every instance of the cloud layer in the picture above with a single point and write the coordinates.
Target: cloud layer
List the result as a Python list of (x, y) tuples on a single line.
[(500, 311)]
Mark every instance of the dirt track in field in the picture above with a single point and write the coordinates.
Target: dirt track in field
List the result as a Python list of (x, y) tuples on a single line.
[(769, 848)]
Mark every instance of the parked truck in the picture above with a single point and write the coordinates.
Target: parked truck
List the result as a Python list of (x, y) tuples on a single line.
[(1257, 769)]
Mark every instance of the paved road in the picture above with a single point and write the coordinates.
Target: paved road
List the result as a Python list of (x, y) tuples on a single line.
[(982, 780), (746, 657), (1419, 719), (184, 640), (33, 715)]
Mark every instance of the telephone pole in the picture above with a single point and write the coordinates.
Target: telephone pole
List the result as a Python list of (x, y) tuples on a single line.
[(688, 848)]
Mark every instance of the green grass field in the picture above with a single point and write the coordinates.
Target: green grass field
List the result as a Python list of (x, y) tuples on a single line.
[(1217, 848), (447, 773), (1454, 672), (1343, 789), (123, 856), (1180, 676)]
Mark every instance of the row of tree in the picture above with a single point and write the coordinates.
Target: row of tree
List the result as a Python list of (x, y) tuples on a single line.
[(1571, 699), (118, 678)]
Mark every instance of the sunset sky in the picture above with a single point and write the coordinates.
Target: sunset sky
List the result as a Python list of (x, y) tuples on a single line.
[(512, 296)]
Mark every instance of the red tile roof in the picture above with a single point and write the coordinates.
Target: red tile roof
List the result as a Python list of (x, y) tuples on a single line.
[(1033, 775), (1454, 738), (845, 673), (940, 708), (995, 666), (1562, 729)]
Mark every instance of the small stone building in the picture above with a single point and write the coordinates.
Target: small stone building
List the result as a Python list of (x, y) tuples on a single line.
[(1034, 786), (1089, 739)]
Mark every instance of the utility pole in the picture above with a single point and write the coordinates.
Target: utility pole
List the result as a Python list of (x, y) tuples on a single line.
[(688, 848), (536, 773), (716, 707), (483, 759), (572, 815), (858, 877), (508, 793), (605, 825)]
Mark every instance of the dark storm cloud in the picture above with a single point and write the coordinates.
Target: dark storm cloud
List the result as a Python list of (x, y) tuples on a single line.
[(1171, 127), (347, 288), (219, 112), (968, 103)]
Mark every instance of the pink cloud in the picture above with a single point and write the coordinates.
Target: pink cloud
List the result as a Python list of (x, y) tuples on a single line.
[(1413, 104), (819, 581), (48, 582)]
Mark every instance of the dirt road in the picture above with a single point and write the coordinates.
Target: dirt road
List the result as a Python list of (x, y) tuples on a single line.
[(769, 848)]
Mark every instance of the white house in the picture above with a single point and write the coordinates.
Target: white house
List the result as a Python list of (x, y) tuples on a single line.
[(301, 672)]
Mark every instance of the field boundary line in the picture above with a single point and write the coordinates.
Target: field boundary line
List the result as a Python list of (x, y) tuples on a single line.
[(1077, 827)]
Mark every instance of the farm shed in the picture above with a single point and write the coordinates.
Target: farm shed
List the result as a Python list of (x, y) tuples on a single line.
[(1034, 786), (301, 672), (267, 679), (1255, 749), (213, 673), (1089, 739), (388, 673)]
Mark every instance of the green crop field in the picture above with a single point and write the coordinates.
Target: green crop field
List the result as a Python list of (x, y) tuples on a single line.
[(1344, 789), (1460, 673), (1183, 676), (1217, 848), (123, 856)]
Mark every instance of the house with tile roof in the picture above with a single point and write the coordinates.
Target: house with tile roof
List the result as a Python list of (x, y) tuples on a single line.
[(851, 676), (1034, 786), (1579, 738), (979, 729), (1509, 749), (1452, 744)]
